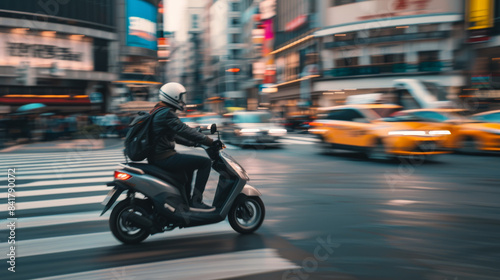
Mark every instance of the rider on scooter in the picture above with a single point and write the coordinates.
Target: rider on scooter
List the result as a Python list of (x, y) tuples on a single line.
[(173, 130)]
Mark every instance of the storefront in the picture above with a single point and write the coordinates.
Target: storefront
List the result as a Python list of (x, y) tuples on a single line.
[(63, 62)]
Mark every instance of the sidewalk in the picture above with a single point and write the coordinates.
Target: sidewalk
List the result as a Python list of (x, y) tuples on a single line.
[(64, 146)]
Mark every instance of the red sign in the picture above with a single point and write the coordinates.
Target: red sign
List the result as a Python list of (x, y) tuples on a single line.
[(401, 8), (296, 23), (405, 4)]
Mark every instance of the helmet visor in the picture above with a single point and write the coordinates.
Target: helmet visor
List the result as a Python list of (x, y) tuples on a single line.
[(182, 100)]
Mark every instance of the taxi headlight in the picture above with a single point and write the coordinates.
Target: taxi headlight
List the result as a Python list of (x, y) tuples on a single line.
[(420, 132), (277, 131), (408, 132), (249, 131), (439, 132)]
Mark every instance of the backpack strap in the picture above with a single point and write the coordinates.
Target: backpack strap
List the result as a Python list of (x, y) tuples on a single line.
[(153, 113)]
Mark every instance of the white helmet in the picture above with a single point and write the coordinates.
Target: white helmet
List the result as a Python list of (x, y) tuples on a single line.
[(174, 94)]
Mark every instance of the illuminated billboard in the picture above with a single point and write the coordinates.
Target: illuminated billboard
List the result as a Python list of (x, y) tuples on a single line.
[(141, 24), (480, 14)]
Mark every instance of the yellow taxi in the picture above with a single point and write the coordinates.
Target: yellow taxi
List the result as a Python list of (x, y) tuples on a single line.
[(363, 128), (468, 135)]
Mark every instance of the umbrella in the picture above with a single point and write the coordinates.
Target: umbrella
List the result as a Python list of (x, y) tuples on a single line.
[(31, 108)]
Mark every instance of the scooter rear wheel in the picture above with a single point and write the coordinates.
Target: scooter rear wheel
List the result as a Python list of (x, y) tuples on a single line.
[(123, 230), (247, 214)]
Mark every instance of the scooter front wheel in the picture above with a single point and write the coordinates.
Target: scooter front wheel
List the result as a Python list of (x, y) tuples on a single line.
[(247, 214), (122, 229)]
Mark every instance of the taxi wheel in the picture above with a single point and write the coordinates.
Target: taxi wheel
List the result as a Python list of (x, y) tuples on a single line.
[(377, 152), (325, 148), (468, 145)]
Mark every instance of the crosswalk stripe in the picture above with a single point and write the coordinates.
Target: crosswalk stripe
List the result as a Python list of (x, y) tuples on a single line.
[(24, 167), (55, 202), (60, 244), (59, 219), (48, 154), (218, 266), (56, 191), (61, 160), (59, 154), (69, 169), (64, 182), (60, 175)]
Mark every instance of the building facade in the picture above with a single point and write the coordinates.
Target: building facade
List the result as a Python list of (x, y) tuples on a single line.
[(224, 53), (483, 43), (137, 25), (59, 53), (295, 55), (384, 40)]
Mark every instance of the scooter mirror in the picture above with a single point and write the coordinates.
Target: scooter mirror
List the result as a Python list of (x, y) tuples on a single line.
[(213, 128)]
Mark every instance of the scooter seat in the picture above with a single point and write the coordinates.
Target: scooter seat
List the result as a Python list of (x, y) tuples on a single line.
[(175, 179)]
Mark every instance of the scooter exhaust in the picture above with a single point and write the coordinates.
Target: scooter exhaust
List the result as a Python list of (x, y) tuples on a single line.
[(137, 220)]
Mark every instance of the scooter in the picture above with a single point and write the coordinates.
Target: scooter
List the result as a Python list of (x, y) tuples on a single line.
[(157, 201)]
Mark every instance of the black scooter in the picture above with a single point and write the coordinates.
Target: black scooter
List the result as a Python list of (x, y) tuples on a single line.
[(157, 201)]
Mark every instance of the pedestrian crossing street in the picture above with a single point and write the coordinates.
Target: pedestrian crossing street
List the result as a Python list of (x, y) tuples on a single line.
[(57, 201)]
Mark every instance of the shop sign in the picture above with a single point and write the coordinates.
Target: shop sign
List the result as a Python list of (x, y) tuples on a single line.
[(141, 24), (43, 51), (397, 8), (267, 9), (479, 14), (296, 23)]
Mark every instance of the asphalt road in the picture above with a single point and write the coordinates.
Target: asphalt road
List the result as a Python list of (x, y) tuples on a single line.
[(334, 216)]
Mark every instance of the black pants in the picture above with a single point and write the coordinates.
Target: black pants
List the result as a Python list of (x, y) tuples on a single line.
[(182, 163)]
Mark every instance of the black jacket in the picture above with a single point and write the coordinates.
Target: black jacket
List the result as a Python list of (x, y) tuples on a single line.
[(173, 130)]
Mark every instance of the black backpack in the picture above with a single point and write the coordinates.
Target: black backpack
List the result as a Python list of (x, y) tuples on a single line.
[(139, 142)]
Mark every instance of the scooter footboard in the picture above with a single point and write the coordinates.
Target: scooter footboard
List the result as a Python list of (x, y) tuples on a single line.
[(167, 203)]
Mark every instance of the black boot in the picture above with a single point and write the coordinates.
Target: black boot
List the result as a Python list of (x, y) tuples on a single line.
[(197, 203)]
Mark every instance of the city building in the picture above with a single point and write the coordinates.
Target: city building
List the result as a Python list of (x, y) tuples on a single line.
[(295, 55), (483, 52), (223, 56), (366, 45), (59, 53), (137, 23)]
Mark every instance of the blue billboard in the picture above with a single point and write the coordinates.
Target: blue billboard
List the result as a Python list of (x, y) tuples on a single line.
[(141, 24)]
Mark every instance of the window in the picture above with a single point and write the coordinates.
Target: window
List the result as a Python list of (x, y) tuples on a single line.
[(235, 7), (345, 37), (385, 32), (405, 99), (428, 28), (388, 58), (352, 115), (346, 61), (428, 56), (337, 115), (235, 22), (194, 21), (494, 117), (343, 2), (235, 38), (235, 54), (431, 116)]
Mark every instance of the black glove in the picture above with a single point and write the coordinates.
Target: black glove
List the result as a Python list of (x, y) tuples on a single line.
[(218, 144)]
